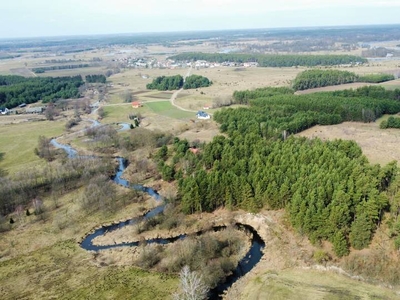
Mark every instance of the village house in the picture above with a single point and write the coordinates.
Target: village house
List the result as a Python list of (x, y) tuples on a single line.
[(202, 115), (136, 104), (5, 111)]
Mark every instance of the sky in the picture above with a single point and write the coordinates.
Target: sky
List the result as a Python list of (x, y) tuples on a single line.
[(35, 18)]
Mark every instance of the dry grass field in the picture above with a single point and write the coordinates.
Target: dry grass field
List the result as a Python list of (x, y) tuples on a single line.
[(41, 259), (393, 84), (298, 284), (17, 142), (378, 145)]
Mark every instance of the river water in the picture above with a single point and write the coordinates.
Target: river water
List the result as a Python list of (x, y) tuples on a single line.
[(245, 265)]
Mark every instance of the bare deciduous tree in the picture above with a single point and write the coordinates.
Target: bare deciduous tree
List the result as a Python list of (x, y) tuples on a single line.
[(192, 286), (50, 112)]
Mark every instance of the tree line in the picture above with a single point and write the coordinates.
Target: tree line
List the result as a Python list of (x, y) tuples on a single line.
[(319, 78), (391, 122), (63, 67), (166, 83), (243, 97), (329, 189), (196, 81), (270, 60), (15, 90), (274, 113), (95, 78)]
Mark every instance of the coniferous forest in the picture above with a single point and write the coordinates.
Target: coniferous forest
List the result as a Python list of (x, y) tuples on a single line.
[(319, 78), (196, 81), (15, 90), (166, 83), (329, 189), (270, 60), (95, 78)]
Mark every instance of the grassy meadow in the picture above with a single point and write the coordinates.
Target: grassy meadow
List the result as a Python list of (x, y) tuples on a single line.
[(41, 259), (17, 142), (378, 145), (165, 108), (299, 284)]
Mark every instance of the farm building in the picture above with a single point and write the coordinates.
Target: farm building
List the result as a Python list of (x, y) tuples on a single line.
[(5, 111), (35, 110), (202, 115), (136, 104), (206, 106)]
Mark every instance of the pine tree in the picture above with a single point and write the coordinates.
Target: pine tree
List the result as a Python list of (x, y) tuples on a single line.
[(340, 245)]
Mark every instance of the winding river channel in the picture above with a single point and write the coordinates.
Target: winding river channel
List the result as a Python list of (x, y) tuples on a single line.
[(245, 265)]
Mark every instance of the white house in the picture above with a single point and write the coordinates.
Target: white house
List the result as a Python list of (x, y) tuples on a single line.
[(202, 115), (6, 111)]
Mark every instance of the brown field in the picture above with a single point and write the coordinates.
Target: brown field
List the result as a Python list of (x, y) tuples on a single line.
[(23, 72), (73, 72), (393, 84), (331, 88), (226, 80), (378, 145)]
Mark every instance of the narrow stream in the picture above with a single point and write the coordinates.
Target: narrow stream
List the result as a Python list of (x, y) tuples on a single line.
[(245, 265)]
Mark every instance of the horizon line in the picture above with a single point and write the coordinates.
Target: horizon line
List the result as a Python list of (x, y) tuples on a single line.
[(194, 31)]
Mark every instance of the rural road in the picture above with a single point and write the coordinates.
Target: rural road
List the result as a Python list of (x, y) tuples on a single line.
[(175, 95)]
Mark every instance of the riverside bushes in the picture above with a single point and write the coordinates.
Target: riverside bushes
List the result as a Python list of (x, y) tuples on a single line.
[(213, 254)]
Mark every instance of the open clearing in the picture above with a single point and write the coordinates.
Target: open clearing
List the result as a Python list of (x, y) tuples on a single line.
[(73, 72), (393, 84), (165, 108), (162, 95), (46, 262), (378, 145), (17, 142), (298, 284)]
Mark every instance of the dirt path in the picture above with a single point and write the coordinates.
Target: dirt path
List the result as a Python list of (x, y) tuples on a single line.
[(175, 94)]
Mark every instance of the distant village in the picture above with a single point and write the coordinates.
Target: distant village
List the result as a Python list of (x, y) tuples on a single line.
[(152, 63)]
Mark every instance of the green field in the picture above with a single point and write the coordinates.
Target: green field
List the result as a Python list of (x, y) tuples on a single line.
[(120, 113), (18, 141), (165, 108)]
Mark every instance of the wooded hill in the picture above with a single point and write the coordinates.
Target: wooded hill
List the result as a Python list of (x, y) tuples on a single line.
[(310, 79), (270, 60), (15, 90), (329, 189)]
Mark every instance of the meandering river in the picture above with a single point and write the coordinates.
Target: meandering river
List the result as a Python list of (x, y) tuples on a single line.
[(245, 265)]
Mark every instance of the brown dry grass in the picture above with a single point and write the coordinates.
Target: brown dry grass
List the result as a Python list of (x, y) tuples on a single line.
[(340, 87), (378, 145)]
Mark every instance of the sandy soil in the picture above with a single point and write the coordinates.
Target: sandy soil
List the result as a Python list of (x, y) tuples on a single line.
[(378, 145)]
